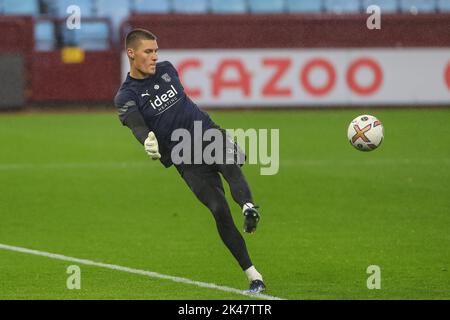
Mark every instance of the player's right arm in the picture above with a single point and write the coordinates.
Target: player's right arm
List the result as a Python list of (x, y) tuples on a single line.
[(131, 117)]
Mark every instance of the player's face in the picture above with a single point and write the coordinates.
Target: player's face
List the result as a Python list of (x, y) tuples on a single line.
[(145, 57)]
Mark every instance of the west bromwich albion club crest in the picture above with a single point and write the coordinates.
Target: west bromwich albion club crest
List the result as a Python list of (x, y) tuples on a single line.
[(166, 77)]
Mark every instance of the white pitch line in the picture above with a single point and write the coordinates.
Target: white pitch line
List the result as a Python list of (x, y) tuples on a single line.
[(150, 274)]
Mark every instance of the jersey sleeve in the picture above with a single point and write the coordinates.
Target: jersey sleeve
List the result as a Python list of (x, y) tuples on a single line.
[(125, 104)]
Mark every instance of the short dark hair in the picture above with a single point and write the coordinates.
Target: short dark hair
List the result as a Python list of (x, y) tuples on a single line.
[(136, 35)]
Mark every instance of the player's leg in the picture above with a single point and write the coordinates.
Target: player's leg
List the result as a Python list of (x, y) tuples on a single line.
[(240, 190), (241, 194), (230, 168), (207, 186)]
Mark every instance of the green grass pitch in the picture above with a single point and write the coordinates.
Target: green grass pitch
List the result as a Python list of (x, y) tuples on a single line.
[(80, 185)]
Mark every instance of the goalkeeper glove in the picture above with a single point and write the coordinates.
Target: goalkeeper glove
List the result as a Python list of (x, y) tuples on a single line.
[(151, 146)]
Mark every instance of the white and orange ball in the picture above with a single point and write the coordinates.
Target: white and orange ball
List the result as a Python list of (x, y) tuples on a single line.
[(365, 132)]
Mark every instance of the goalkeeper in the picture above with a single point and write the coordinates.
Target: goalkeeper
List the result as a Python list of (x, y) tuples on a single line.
[(153, 104)]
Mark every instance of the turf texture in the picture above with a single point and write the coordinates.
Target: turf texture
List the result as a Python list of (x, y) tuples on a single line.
[(81, 185)]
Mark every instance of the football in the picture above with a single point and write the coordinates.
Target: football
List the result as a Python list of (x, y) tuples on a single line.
[(365, 132)]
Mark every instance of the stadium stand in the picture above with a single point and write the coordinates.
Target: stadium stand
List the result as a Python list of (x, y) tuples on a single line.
[(443, 5), (23, 7), (229, 7), (266, 6), (151, 6), (387, 6), (190, 6), (342, 6), (44, 35), (117, 11), (93, 36), (417, 5), (87, 7), (49, 34), (48, 7), (303, 6)]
